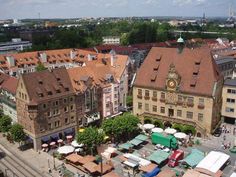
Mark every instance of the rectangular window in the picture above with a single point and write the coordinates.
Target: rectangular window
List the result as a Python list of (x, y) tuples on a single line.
[(49, 114), (227, 109), (44, 106), (189, 115), (147, 93), (50, 126), (201, 101), (72, 119), (200, 117), (180, 98), (190, 100), (230, 100), (66, 109), (163, 95), (140, 92), (71, 99), (72, 107), (231, 91), (154, 108), (139, 105), (179, 113), (66, 121), (163, 110), (57, 123), (146, 107), (154, 94)]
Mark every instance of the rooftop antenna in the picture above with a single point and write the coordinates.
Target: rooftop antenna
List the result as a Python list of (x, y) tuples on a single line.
[(39, 15)]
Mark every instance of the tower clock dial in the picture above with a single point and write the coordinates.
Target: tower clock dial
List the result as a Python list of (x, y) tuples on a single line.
[(171, 83)]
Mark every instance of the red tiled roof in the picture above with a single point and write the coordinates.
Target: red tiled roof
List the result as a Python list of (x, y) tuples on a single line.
[(10, 85), (184, 63)]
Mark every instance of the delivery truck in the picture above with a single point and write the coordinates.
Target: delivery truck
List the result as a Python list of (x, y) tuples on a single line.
[(165, 140)]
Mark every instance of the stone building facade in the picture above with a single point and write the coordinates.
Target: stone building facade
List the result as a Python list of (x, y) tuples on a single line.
[(179, 87)]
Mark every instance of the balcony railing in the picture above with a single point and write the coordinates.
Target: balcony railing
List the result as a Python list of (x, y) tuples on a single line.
[(180, 103)]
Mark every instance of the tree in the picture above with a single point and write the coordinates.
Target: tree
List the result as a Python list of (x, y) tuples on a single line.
[(91, 137), (5, 123), (40, 67), (147, 120), (17, 133), (129, 101), (121, 127), (158, 123)]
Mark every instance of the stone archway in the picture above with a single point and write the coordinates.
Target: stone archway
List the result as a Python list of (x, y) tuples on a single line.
[(167, 124), (199, 134)]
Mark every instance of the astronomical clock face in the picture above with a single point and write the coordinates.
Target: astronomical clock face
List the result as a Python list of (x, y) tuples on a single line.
[(171, 83)]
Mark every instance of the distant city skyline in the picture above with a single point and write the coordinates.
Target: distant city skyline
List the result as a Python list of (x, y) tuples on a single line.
[(19, 9)]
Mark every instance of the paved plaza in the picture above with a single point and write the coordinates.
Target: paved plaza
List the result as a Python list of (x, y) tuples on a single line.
[(42, 161)]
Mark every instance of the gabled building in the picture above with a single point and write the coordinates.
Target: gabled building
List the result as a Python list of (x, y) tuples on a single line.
[(180, 86), (46, 105), (8, 96)]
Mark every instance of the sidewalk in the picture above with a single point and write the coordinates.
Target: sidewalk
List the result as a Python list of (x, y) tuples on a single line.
[(41, 161)]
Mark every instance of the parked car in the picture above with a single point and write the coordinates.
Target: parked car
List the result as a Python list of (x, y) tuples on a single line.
[(217, 132), (175, 157)]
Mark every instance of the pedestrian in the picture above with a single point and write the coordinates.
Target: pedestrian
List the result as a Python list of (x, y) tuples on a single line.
[(224, 137)]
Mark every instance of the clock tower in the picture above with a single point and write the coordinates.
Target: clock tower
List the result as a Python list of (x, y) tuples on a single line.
[(173, 79)]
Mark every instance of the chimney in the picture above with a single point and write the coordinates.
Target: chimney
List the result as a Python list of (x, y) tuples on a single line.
[(72, 54), (113, 56), (90, 57), (43, 57), (112, 60), (11, 61)]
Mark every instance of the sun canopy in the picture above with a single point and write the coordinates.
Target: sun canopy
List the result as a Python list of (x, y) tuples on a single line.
[(194, 158), (65, 149), (148, 126), (158, 156), (126, 146), (136, 142), (180, 135), (170, 131), (74, 158), (76, 145), (142, 137), (213, 161), (157, 130)]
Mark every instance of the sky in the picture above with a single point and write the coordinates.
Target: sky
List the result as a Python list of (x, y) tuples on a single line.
[(19, 9)]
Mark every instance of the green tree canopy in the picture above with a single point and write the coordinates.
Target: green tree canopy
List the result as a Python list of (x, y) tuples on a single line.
[(17, 133), (40, 67), (121, 127), (5, 123), (91, 137)]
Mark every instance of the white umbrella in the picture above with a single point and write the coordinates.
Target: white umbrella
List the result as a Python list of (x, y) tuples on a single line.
[(157, 130), (170, 131), (65, 149), (79, 150), (75, 144), (148, 126), (180, 135)]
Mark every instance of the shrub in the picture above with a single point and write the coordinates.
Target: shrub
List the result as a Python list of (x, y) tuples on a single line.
[(158, 123), (189, 129), (197, 142), (147, 120), (178, 127)]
